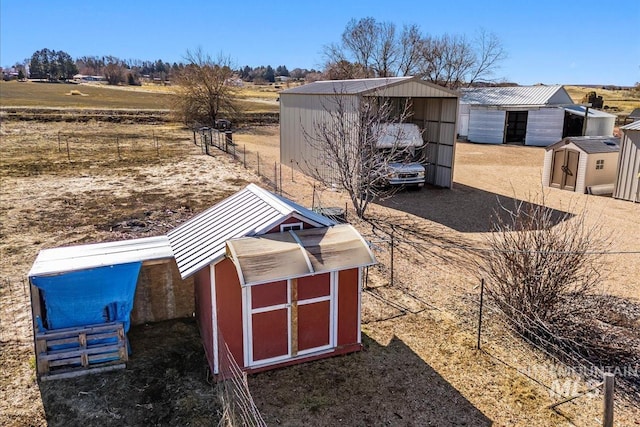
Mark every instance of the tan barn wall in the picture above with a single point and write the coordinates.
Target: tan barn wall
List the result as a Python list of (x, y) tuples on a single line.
[(161, 294)]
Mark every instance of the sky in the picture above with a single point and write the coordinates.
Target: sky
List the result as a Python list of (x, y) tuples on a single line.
[(550, 42)]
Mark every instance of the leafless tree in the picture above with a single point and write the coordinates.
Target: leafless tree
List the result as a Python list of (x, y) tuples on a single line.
[(113, 70), (378, 50), (539, 260), (347, 142), (203, 90)]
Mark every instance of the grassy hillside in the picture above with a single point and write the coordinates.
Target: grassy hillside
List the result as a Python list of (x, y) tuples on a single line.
[(252, 98), (61, 95), (624, 100)]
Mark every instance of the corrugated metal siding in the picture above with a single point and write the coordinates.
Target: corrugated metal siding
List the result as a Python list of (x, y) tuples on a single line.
[(544, 126), (486, 126), (600, 126), (517, 95), (80, 257), (627, 185), (201, 240)]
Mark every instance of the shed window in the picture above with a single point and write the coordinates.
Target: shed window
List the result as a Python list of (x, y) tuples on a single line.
[(600, 164), (292, 226)]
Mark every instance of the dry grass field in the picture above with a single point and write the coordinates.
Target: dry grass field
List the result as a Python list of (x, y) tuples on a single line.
[(624, 100), (419, 366)]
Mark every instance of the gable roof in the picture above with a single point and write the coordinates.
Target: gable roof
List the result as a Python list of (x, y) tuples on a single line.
[(516, 96), (579, 110), (360, 86), (635, 114), (590, 144), (249, 212)]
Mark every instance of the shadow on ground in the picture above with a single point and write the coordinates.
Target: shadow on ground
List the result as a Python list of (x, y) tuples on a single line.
[(462, 208), (164, 383), (382, 385)]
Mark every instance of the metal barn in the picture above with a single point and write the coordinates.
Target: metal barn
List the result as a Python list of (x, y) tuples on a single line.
[(275, 283), (628, 173), (528, 115), (434, 110), (582, 164)]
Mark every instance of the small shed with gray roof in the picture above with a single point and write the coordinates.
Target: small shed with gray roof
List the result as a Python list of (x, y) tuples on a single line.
[(584, 164), (275, 283), (628, 173), (527, 115), (433, 108)]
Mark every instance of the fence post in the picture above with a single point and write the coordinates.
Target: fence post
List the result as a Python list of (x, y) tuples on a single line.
[(244, 155), (275, 176), (59, 148), (607, 417), (118, 147), (393, 232), (480, 314), (280, 179), (68, 152), (292, 170), (258, 156)]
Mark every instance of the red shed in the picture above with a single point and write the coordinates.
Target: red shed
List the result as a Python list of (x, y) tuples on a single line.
[(275, 282)]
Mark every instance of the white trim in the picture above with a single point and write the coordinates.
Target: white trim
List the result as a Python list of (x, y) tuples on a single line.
[(214, 318), (289, 303), (333, 310), (360, 304), (290, 226), (234, 257), (316, 349), (270, 308), (247, 329), (314, 300)]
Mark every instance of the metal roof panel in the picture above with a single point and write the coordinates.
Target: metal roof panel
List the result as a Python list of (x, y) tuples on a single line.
[(515, 95)]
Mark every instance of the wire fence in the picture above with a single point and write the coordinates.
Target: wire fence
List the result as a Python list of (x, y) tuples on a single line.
[(238, 407)]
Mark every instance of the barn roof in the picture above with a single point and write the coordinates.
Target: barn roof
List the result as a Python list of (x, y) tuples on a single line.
[(280, 256), (82, 257), (516, 96), (632, 126), (590, 144), (635, 114), (251, 211), (359, 86)]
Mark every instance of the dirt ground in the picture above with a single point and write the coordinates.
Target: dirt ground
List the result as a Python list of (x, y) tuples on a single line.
[(419, 365)]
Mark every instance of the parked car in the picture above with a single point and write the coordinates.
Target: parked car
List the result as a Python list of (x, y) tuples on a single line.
[(401, 136)]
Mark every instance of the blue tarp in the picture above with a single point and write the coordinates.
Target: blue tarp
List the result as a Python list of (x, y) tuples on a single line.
[(85, 297)]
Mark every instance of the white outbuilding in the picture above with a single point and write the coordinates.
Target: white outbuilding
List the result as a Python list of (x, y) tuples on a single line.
[(433, 108), (585, 164), (528, 115), (628, 173)]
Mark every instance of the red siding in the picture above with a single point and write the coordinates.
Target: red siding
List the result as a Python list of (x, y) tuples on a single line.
[(270, 337), (229, 308), (276, 229), (203, 305), (313, 325), (314, 286), (348, 307), (269, 294)]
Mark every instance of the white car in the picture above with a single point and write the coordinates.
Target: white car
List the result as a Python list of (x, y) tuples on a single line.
[(401, 136)]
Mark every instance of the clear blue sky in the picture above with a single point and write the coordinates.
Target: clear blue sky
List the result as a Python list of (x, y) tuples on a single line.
[(551, 42)]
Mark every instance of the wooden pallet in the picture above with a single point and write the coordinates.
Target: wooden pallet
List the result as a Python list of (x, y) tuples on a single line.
[(69, 352)]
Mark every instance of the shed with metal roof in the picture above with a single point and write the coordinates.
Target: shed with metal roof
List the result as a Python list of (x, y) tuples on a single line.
[(305, 108), (584, 164), (628, 172), (275, 283), (528, 115)]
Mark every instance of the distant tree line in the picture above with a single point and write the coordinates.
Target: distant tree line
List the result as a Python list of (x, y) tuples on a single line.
[(52, 65)]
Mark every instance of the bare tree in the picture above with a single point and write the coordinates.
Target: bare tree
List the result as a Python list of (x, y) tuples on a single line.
[(411, 44), (539, 260), (203, 90), (489, 54), (113, 70), (347, 142)]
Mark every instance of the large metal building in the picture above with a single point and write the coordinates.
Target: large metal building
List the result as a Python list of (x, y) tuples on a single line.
[(433, 108), (628, 174), (529, 115)]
